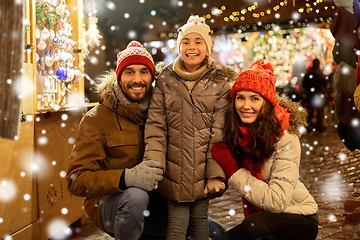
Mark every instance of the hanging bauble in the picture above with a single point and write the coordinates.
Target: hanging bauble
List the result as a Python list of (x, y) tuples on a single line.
[(37, 33), (41, 45), (55, 39), (59, 41), (49, 61), (67, 29), (77, 75), (71, 75), (67, 13), (70, 58), (92, 36), (71, 45), (61, 24), (46, 6), (60, 10), (60, 54), (53, 53), (52, 34), (56, 57), (54, 2), (45, 34), (62, 73), (65, 44)]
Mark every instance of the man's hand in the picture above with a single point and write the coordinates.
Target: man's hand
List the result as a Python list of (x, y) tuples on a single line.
[(145, 175), (214, 185)]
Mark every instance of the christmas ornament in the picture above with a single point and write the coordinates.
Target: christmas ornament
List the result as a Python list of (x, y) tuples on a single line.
[(61, 24), (54, 2), (49, 61), (62, 56), (65, 44), (62, 73), (78, 74), (41, 45), (59, 41), (46, 7), (60, 10), (72, 75), (67, 29), (67, 13), (92, 35), (45, 34), (37, 57), (37, 33), (71, 45)]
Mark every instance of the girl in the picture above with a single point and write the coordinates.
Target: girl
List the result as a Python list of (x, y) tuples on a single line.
[(260, 155), (186, 117)]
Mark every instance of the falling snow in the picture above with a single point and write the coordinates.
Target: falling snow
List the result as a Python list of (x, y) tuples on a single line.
[(332, 186)]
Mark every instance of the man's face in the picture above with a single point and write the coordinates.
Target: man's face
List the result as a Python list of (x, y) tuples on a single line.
[(136, 82)]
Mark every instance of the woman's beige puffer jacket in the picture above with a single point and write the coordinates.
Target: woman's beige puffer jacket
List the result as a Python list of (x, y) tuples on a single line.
[(281, 190)]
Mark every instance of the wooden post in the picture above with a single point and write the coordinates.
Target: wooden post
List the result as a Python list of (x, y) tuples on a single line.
[(12, 45)]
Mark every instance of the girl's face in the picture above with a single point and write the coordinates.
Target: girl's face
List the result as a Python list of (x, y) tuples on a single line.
[(248, 105), (193, 51)]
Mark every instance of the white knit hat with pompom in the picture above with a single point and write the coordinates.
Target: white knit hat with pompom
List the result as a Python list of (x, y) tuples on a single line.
[(195, 24)]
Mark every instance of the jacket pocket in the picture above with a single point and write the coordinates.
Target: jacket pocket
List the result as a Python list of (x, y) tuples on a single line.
[(123, 150), (127, 139)]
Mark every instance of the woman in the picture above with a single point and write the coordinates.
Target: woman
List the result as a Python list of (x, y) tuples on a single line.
[(260, 155)]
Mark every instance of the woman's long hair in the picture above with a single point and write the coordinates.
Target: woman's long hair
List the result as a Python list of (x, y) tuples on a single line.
[(264, 133)]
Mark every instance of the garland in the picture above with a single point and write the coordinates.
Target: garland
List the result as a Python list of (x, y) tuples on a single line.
[(44, 16)]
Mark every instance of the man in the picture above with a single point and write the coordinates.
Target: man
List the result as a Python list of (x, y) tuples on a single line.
[(106, 162)]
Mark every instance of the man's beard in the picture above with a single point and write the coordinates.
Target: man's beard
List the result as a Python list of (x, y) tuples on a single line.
[(137, 100)]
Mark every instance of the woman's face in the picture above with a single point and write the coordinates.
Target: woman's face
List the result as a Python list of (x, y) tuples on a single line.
[(248, 105)]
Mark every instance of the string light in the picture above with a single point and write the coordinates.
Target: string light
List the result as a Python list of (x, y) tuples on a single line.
[(241, 15)]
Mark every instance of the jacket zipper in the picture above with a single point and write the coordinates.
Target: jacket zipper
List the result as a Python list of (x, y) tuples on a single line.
[(192, 100), (190, 91)]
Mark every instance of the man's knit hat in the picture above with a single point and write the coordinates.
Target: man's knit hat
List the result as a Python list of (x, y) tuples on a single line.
[(259, 78), (134, 53), (195, 24)]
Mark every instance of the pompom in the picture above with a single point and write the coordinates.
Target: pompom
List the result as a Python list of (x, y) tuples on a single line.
[(134, 44), (262, 64), (195, 18)]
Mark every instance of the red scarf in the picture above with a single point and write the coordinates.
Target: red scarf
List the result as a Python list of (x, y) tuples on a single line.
[(283, 115)]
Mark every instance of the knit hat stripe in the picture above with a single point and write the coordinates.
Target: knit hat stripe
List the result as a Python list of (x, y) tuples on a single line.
[(134, 59), (134, 53)]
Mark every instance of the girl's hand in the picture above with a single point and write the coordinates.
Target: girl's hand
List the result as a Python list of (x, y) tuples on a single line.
[(214, 185)]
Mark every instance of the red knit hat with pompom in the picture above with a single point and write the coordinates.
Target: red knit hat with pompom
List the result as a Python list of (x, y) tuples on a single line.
[(259, 78), (134, 53)]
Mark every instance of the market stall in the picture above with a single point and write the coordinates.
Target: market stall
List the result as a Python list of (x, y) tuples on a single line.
[(37, 203)]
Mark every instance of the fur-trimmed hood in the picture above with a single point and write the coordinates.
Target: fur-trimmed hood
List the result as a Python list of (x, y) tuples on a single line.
[(223, 72), (106, 86), (298, 118)]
